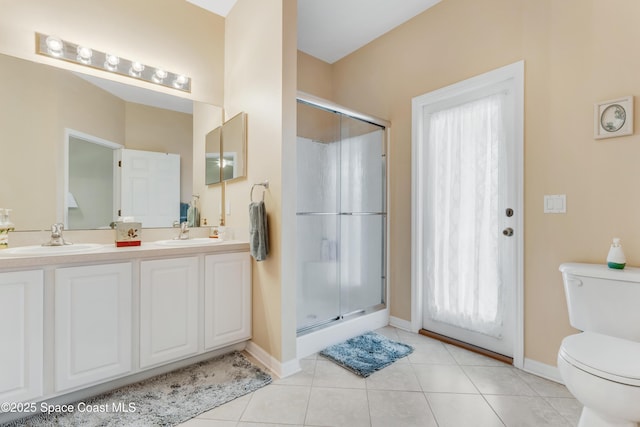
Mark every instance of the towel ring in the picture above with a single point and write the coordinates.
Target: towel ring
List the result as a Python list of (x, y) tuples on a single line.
[(264, 184)]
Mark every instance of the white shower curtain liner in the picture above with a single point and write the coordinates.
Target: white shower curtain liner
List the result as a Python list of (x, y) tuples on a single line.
[(463, 266)]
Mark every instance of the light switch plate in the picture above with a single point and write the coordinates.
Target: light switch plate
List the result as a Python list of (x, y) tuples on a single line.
[(555, 203)]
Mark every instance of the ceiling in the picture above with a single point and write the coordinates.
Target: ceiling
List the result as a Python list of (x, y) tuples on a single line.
[(327, 29), (140, 95), (332, 29)]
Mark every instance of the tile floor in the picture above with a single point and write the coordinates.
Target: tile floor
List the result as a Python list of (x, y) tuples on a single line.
[(438, 385)]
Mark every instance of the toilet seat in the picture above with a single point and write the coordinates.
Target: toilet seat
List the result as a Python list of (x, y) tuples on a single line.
[(608, 357)]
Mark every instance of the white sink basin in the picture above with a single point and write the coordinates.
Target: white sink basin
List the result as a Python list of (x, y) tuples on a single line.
[(51, 250), (201, 241)]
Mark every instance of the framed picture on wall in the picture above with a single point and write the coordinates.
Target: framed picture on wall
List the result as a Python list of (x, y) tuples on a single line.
[(613, 118)]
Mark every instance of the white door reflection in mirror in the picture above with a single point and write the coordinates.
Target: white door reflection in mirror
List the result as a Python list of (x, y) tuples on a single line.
[(91, 191), (150, 191)]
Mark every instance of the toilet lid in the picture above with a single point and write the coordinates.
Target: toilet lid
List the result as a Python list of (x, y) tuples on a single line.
[(608, 357)]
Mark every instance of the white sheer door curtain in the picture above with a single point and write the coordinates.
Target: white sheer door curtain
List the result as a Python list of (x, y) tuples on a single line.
[(462, 251)]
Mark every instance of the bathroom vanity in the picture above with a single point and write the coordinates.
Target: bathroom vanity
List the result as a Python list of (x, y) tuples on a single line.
[(77, 324)]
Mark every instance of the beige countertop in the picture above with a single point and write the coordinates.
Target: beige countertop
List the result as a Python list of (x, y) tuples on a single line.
[(111, 253)]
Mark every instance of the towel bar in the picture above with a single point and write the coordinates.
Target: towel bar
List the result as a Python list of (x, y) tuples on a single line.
[(264, 184)]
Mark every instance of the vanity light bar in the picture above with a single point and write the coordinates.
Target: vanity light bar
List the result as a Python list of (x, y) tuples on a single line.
[(55, 47)]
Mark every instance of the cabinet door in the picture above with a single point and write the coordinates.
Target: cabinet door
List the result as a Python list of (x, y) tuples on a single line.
[(21, 311), (92, 324), (168, 310), (227, 295)]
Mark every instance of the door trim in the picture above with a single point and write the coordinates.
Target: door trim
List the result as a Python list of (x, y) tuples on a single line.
[(63, 186), (513, 71)]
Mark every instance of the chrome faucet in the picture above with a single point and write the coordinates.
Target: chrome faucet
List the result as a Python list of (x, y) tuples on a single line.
[(56, 236), (184, 231)]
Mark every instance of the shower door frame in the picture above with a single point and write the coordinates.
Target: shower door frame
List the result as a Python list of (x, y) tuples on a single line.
[(324, 104)]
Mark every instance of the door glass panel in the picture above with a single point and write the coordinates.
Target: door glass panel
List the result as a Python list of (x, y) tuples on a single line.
[(464, 281), (318, 291), (318, 159), (361, 261), (362, 167)]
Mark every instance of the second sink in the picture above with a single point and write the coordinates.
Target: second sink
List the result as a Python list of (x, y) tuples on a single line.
[(201, 241)]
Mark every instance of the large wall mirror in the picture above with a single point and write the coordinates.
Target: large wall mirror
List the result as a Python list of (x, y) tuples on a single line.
[(230, 140), (48, 114)]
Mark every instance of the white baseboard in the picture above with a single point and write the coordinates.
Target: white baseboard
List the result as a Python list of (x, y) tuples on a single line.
[(542, 370), (278, 368), (405, 325), (315, 341)]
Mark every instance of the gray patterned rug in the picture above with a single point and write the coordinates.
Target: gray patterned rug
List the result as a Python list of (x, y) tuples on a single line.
[(366, 353), (165, 400)]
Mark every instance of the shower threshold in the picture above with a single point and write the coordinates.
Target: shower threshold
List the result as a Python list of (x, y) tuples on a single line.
[(313, 341), (339, 319)]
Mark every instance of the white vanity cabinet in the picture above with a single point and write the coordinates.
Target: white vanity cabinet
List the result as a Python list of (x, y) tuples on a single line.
[(227, 299), (21, 317), (80, 324), (93, 315), (168, 310)]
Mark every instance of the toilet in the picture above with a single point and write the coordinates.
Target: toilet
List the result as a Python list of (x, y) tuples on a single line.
[(601, 365)]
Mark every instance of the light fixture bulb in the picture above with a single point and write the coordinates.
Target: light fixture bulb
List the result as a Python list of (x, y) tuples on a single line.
[(55, 46), (111, 62), (84, 54), (159, 75), (136, 69), (180, 81)]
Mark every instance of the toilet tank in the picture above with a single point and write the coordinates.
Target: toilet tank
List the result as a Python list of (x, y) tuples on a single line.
[(603, 300)]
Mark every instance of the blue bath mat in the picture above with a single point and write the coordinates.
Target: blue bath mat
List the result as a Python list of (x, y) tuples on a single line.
[(366, 353)]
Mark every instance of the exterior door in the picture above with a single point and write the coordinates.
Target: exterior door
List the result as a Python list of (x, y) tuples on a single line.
[(471, 211)]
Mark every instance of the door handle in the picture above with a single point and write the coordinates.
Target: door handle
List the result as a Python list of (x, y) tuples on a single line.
[(508, 231)]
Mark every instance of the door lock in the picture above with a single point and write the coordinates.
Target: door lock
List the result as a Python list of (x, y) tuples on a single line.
[(509, 212), (508, 231)]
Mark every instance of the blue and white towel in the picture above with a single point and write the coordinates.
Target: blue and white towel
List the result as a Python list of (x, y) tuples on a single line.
[(259, 232)]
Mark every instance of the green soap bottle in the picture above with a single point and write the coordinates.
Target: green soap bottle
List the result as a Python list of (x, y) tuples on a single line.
[(616, 259)]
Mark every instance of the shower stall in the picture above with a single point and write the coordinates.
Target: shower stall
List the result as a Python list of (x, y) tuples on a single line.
[(341, 215)]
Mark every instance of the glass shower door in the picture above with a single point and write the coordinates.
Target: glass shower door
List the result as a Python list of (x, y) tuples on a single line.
[(341, 216), (318, 195), (362, 215)]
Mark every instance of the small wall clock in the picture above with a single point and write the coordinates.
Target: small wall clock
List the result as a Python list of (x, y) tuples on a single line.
[(613, 118)]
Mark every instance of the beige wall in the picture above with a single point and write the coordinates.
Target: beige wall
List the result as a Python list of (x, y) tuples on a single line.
[(173, 34), (206, 117), (315, 75), (576, 53), (256, 60)]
